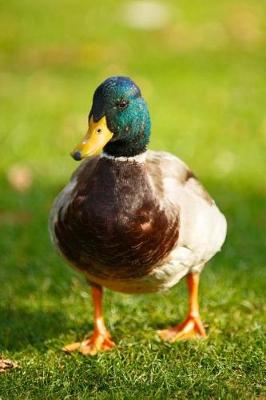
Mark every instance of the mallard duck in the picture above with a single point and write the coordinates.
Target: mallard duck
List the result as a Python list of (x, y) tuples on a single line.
[(133, 220)]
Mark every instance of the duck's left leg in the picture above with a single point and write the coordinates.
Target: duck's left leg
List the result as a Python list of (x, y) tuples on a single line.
[(192, 327)]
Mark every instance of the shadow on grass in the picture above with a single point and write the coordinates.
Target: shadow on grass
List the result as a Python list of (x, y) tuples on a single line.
[(21, 328)]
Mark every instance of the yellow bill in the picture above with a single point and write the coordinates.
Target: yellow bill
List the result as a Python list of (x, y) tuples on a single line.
[(95, 139)]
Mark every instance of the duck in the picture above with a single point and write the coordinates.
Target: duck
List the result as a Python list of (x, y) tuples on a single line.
[(133, 220)]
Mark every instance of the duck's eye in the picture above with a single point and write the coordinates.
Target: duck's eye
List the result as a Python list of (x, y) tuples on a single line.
[(122, 104)]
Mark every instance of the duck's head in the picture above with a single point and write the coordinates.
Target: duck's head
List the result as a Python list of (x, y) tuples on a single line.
[(119, 121)]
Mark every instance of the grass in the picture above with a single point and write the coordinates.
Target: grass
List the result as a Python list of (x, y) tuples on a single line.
[(203, 74)]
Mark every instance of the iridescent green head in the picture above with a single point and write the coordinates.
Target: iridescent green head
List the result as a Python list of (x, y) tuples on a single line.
[(119, 120)]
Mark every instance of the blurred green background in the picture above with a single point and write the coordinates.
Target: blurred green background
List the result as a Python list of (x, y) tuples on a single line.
[(201, 67)]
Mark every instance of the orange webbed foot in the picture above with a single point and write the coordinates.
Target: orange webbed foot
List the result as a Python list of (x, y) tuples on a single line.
[(96, 343), (191, 328)]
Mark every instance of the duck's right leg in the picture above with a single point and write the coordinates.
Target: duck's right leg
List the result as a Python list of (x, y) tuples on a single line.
[(101, 338)]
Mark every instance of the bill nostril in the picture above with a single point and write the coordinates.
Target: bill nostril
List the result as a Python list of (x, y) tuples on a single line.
[(76, 155)]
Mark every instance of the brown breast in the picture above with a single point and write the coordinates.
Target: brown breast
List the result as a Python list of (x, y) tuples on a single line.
[(114, 226)]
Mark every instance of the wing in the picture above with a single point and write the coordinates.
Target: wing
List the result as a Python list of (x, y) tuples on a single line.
[(202, 225)]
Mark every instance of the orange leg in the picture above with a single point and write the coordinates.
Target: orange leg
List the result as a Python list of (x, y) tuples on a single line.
[(101, 338), (192, 327)]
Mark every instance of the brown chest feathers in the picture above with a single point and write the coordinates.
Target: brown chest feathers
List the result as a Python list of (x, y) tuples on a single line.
[(114, 226)]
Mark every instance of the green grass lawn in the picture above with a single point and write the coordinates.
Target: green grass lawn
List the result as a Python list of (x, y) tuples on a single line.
[(203, 75)]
